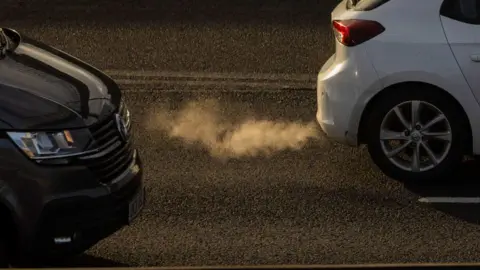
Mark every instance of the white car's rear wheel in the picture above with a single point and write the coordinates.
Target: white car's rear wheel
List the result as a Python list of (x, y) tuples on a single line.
[(416, 134)]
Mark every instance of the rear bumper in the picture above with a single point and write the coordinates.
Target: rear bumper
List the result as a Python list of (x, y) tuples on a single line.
[(333, 106), (343, 88)]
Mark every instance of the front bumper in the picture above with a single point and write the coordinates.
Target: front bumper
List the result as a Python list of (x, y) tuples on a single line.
[(71, 225)]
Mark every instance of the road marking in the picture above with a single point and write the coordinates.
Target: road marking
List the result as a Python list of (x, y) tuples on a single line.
[(209, 90), (466, 200), (189, 83), (279, 77), (158, 80)]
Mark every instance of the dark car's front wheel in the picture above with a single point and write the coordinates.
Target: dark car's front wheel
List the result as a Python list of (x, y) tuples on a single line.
[(4, 260), (416, 134)]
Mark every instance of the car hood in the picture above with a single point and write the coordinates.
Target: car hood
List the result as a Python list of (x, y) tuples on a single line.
[(44, 88)]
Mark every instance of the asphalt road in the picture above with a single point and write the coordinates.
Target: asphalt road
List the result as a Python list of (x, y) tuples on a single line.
[(212, 35), (321, 204)]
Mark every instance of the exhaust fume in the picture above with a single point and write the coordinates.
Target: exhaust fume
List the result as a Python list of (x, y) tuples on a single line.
[(204, 122)]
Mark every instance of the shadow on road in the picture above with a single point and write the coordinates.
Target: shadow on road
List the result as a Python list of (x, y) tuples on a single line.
[(86, 261), (466, 184), (167, 10)]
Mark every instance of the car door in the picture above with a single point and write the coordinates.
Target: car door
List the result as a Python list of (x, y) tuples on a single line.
[(461, 23)]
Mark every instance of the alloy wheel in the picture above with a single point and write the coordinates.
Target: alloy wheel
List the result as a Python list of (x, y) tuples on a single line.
[(415, 136)]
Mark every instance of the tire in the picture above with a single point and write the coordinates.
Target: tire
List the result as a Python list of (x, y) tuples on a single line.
[(4, 260), (6, 239), (453, 142)]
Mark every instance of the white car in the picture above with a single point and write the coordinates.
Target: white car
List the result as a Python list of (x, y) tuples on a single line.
[(405, 81)]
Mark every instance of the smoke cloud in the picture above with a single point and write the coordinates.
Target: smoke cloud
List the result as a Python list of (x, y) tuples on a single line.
[(231, 136)]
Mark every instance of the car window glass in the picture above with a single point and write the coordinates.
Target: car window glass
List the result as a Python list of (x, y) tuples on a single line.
[(468, 8), (462, 10)]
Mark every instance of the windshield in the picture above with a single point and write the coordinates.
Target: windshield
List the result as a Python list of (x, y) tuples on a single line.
[(365, 5)]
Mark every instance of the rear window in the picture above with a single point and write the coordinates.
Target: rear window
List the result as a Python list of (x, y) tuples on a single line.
[(365, 5), (467, 11)]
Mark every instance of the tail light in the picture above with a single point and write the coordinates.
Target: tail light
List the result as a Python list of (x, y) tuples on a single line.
[(354, 32)]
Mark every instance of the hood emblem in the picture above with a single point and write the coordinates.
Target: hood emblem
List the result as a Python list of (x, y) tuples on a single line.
[(122, 128)]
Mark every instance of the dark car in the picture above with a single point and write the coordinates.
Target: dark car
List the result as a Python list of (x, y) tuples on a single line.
[(69, 172)]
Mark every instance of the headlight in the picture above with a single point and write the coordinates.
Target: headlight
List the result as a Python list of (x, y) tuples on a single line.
[(125, 113), (49, 145), (126, 118)]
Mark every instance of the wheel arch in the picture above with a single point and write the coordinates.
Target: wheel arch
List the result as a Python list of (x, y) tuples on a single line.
[(395, 87)]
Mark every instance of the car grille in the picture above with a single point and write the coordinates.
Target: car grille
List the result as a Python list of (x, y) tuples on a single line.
[(116, 154)]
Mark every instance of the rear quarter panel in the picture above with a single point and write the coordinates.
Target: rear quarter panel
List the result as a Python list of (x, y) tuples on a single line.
[(414, 48)]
